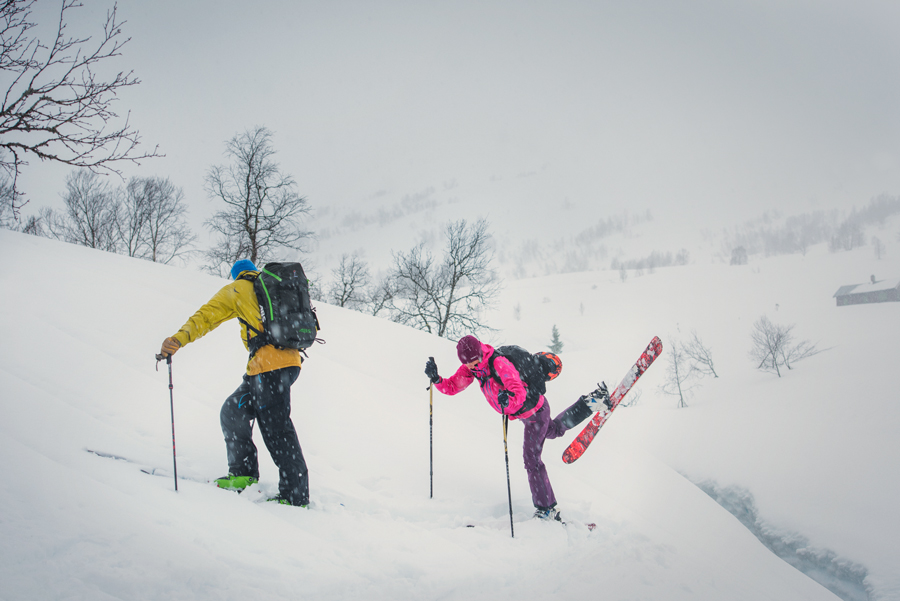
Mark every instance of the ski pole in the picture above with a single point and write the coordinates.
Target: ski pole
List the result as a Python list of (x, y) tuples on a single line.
[(431, 435), (512, 532), (431, 440), (168, 359)]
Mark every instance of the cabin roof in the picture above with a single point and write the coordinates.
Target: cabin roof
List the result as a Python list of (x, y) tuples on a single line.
[(889, 284)]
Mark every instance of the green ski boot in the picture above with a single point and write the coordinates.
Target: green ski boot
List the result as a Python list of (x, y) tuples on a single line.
[(238, 483), (282, 501)]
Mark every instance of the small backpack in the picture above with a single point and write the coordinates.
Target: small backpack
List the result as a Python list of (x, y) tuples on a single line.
[(288, 318), (535, 370)]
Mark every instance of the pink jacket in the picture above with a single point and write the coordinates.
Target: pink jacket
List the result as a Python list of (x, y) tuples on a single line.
[(507, 373)]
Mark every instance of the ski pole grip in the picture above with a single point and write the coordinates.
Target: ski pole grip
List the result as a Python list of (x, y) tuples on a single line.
[(430, 383)]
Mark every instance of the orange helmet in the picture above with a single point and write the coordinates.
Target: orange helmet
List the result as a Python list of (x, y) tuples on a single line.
[(550, 364)]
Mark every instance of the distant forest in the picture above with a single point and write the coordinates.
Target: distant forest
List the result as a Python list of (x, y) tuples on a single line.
[(581, 252), (771, 235)]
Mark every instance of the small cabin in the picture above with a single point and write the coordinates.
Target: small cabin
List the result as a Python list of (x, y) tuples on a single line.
[(875, 292)]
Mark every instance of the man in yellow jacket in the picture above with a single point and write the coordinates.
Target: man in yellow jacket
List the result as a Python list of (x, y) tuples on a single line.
[(264, 394)]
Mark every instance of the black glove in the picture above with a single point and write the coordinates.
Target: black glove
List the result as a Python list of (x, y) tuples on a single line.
[(503, 399), (431, 371)]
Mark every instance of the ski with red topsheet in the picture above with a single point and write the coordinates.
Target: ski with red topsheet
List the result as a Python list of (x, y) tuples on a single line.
[(581, 442)]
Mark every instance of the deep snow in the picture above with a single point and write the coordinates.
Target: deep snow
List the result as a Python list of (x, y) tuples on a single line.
[(815, 449)]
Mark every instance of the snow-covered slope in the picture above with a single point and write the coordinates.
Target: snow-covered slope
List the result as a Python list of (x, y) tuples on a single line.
[(815, 448)]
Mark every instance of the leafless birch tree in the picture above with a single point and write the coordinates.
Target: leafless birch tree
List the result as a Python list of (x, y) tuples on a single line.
[(446, 296), (350, 284), (678, 372), (132, 222), (152, 220), (768, 341), (56, 106), (262, 207), (773, 346), (380, 295), (699, 355), (91, 213), (632, 398), (8, 210)]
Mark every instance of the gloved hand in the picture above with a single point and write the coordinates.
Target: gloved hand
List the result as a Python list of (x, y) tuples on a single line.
[(431, 371), (503, 399), (169, 347)]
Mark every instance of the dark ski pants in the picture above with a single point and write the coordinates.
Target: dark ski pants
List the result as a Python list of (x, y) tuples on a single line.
[(267, 399), (538, 428)]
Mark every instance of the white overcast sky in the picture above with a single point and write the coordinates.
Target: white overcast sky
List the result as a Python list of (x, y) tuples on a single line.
[(702, 107)]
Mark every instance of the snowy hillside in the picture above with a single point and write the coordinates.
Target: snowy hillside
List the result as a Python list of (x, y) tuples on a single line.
[(816, 448), (564, 234)]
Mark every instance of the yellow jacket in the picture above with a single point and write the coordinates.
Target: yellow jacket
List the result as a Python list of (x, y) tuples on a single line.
[(237, 299)]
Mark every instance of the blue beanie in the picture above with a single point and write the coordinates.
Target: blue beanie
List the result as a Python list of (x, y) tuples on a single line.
[(242, 265)]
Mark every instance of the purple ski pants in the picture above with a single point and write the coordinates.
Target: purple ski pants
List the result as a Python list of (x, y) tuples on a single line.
[(538, 428)]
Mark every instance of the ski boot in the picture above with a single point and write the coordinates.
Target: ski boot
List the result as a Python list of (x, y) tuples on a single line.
[(282, 501), (599, 399), (237, 483), (548, 514)]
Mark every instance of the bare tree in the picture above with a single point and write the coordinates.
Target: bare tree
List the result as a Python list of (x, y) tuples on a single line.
[(133, 217), (8, 210), (773, 346), (263, 209), (632, 398), (678, 372), (55, 106), (168, 234), (91, 213), (152, 223), (699, 355), (446, 298), (351, 279), (380, 295), (768, 341), (795, 352), (34, 225), (52, 223)]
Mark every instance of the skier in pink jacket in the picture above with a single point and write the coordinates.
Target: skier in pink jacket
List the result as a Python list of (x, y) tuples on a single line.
[(512, 397)]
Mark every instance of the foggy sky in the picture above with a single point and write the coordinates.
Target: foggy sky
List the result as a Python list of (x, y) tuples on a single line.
[(700, 107)]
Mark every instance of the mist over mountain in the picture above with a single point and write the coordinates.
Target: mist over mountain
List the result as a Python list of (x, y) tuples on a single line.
[(547, 120)]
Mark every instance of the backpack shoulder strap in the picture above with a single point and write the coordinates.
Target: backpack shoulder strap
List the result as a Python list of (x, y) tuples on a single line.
[(251, 277), (492, 369)]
